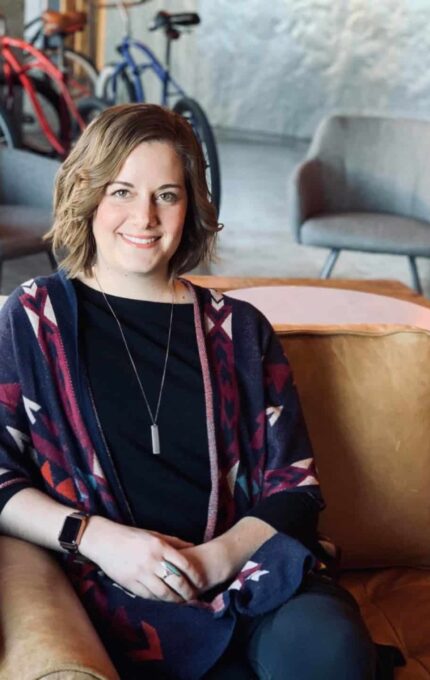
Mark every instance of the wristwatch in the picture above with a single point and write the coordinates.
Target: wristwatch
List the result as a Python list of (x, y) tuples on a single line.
[(71, 534)]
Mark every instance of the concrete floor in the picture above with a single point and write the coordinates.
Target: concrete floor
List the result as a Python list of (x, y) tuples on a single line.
[(256, 239)]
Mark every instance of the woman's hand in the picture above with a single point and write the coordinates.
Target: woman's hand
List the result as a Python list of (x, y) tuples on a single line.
[(223, 557), (211, 561), (133, 558)]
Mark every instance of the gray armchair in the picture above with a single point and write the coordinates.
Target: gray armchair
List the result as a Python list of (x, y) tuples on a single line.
[(26, 187), (365, 185)]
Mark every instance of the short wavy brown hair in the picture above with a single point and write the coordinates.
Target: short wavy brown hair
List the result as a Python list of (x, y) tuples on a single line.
[(97, 159)]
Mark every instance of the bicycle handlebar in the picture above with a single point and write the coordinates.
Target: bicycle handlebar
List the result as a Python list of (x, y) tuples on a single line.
[(119, 4)]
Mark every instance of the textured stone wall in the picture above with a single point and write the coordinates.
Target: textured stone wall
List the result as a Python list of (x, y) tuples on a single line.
[(280, 66)]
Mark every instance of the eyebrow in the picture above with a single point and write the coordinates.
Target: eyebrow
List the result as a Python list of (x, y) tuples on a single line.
[(126, 184), (163, 186)]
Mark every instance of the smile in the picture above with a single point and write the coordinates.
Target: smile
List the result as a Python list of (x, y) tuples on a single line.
[(140, 241)]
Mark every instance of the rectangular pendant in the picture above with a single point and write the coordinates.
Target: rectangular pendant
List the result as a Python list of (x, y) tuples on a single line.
[(155, 439)]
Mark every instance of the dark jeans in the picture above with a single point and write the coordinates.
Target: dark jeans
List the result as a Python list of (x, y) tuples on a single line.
[(317, 635)]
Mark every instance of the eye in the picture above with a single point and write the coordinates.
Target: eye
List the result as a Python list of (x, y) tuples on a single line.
[(168, 197), (120, 193)]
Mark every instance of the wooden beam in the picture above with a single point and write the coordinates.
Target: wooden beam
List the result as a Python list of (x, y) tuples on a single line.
[(100, 36)]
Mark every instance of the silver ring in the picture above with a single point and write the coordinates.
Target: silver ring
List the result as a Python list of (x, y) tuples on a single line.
[(165, 574), (169, 569)]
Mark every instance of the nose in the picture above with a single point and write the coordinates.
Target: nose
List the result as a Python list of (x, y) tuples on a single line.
[(145, 212)]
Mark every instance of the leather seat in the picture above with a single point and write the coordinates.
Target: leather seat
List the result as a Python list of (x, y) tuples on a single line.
[(395, 604)]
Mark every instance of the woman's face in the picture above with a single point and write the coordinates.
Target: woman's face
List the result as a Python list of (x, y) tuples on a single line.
[(139, 222)]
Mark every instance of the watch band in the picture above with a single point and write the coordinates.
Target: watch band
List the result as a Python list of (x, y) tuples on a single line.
[(72, 531)]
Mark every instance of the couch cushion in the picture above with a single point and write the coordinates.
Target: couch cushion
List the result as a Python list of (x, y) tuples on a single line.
[(366, 399), (370, 232), (395, 603)]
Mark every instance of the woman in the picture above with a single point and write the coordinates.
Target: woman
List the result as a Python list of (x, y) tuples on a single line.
[(151, 432)]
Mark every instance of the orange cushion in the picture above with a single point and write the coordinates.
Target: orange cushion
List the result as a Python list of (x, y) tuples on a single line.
[(395, 604), (365, 393)]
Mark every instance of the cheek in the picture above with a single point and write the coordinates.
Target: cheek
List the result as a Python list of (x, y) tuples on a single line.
[(179, 229), (104, 219)]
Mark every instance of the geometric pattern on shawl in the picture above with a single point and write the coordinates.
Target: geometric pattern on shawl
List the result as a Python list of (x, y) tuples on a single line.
[(220, 349), (55, 466), (260, 480)]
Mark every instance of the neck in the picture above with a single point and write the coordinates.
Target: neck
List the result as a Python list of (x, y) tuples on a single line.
[(153, 289), (138, 288)]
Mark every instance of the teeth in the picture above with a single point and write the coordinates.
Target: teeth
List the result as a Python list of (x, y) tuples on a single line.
[(143, 241)]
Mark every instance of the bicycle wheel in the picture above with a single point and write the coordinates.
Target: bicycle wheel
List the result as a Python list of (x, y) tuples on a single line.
[(19, 107), (8, 133), (115, 90), (195, 115), (81, 74), (89, 108)]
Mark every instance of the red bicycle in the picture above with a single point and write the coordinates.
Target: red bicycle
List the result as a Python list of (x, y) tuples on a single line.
[(34, 94), (49, 32)]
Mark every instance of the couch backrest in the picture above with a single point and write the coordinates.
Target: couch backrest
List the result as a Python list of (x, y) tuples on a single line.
[(366, 399), (373, 164)]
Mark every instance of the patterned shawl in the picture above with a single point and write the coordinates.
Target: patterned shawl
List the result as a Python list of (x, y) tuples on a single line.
[(50, 438)]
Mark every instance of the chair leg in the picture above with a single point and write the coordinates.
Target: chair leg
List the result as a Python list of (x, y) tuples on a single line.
[(52, 260), (415, 276), (329, 263)]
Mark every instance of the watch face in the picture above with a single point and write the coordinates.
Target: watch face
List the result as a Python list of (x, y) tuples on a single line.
[(70, 529)]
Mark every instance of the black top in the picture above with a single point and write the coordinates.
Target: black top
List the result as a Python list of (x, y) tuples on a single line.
[(167, 492)]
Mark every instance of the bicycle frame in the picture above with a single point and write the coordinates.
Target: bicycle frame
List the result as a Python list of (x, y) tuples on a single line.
[(13, 66), (54, 44), (170, 88)]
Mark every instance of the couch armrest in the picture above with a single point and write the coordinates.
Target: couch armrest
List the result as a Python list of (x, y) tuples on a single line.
[(44, 629), (305, 194)]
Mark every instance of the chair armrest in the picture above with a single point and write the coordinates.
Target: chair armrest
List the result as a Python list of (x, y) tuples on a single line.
[(305, 194), (36, 178), (44, 629)]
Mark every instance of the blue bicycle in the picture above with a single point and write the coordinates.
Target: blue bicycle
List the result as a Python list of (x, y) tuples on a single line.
[(121, 82)]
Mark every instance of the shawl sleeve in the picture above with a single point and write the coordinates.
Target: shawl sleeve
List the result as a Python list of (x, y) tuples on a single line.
[(290, 498), (289, 465), (17, 469)]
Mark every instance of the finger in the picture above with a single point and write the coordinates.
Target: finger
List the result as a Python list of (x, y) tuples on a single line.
[(176, 542), (171, 588), (173, 540), (141, 590), (188, 569)]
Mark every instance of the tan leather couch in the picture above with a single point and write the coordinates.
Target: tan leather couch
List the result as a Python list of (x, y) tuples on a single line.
[(366, 397)]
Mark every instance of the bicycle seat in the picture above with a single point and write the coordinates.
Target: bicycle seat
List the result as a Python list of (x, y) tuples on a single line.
[(63, 22), (171, 22)]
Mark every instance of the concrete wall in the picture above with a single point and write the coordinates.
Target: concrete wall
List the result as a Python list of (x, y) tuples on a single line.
[(279, 67), (13, 11)]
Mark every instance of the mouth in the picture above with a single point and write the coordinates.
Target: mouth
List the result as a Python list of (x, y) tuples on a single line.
[(140, 240)]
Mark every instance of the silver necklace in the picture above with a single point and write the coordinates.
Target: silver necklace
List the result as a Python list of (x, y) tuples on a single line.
[(155, 435)]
